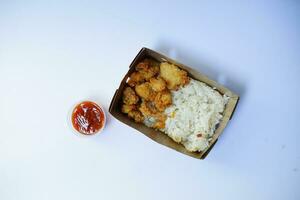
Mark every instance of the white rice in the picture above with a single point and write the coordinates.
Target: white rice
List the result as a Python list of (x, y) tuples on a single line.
[(195, 111)]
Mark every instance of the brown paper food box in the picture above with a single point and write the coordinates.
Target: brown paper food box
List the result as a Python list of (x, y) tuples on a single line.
[(160, 137)]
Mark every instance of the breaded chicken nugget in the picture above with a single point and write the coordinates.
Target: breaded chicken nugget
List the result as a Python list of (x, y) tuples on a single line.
[(162, 100), (160, 121), (143, 65), (127, 108), (151, 72), (135, 78), (173, 75), (159, 125), (148, 108), (145, 91), (147, 68), (157, 84), (136, 115), (129, 96)]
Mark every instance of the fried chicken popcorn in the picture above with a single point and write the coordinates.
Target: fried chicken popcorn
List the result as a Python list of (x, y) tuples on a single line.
[(129, 96), (174, 76), (160, 119), (159, 125), (147, 68), (136, 116), (127, 108), (148, 108), (144, 71), (145, 91), (163, 100), (157, 84), (135, 78)]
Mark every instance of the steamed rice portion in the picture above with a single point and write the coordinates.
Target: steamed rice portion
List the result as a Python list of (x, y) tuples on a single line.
[(194, 114)]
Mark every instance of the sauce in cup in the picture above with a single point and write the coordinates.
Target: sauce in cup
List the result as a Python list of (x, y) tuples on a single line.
[(88, 118)]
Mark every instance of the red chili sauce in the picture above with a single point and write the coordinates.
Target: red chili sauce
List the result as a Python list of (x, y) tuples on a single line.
[(88, 118)]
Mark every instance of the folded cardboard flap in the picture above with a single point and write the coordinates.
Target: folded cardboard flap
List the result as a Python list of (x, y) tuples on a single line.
[(158, 136)]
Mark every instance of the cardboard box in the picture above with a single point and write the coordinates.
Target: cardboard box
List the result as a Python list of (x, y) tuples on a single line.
[(160, 137)]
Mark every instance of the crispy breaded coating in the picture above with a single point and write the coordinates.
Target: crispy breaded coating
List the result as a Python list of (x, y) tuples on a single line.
[(145, 91), (148, 108), (160, 121), (163, 100), (147, 68), (136, 115), (159, 125), (129, 96), (127, 108), (157, 84), (143, 65), (174, 76), (135, 78)]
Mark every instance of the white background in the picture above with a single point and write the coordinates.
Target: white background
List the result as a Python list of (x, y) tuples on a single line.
[(56, 53)]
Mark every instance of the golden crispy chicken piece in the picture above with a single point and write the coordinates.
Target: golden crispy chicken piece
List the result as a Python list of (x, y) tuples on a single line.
[(162, 100), (174, 76), (147, 68), (135, 78), (129, 96), (159, 125), (136, 115), (151, 72), (150, 111), (157, 84), (148, 108), (160, 121), (143, 65), (145, 91), (127, 108)]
